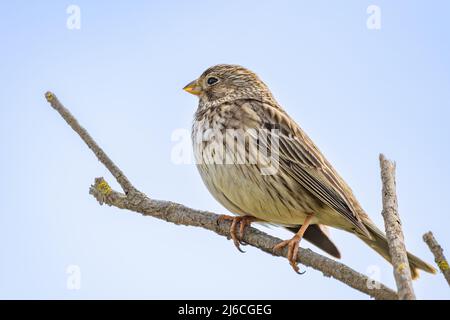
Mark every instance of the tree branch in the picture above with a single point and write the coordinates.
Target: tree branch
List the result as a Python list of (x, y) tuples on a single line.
[(85, 136), (394, 233), (438, 253), (137, 201)]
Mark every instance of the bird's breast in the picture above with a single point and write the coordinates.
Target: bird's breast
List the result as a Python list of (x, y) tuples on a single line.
[(236, 176)]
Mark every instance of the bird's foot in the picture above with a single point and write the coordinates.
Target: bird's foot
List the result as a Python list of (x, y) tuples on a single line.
[(293, 245), (244, 222)]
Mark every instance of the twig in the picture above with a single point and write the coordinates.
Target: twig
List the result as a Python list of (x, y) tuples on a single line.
[(84, 135), (137, 201), (438, 253), (394, 234)]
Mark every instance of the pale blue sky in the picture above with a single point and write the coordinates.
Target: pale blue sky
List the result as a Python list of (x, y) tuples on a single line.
[(357, 92)]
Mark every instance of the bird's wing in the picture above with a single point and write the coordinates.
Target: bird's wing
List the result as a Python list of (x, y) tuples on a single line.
[(300, 158)]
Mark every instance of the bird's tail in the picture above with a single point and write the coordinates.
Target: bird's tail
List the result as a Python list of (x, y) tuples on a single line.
[(379, 244)]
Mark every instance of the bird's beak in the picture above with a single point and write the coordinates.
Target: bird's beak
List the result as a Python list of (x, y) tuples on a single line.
[(193, 88)]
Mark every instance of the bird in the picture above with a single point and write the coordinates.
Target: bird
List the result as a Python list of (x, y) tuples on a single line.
[(262, 167)]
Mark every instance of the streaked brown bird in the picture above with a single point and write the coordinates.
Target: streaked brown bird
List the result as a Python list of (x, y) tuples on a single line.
[(258, 163)]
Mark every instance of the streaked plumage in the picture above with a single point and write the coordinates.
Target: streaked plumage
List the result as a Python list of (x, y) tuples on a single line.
[(304, 184)]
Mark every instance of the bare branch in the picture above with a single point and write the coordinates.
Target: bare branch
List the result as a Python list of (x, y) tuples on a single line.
[(394, 233), (84, 135), (180, 214), (438, 252), (137, 201)]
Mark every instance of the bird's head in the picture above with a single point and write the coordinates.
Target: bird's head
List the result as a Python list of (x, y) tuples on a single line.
[(225, 81)]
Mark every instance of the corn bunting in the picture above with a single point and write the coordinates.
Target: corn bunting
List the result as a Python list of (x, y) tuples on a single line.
[(259, 164)]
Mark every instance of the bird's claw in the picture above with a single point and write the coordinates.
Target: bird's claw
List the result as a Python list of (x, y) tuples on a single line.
[(243, 222), (293, 246)]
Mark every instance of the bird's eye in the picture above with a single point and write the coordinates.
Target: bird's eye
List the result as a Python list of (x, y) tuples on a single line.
[(212, 80)]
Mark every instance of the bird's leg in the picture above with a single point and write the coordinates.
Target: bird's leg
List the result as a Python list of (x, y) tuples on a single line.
[(244, 222), (293, 244)]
